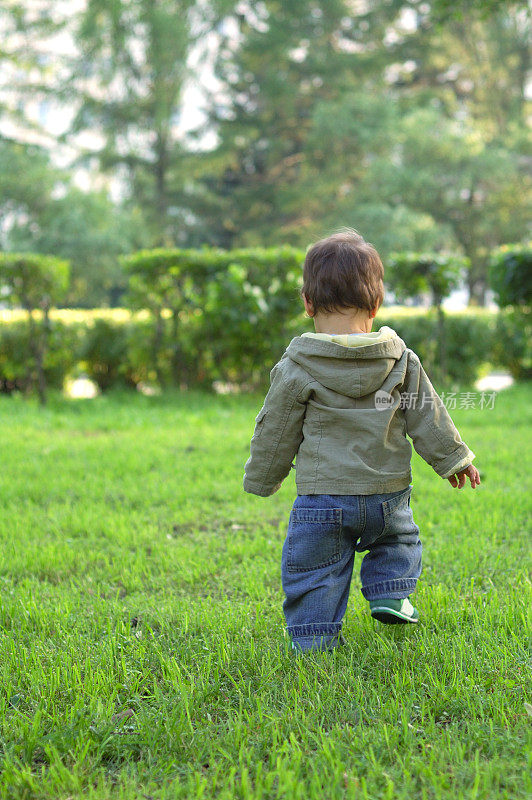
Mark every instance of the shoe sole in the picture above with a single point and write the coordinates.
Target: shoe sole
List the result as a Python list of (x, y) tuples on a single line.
[(390, 617)]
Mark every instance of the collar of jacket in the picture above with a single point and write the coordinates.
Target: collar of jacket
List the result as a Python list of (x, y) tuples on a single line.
[(389, 346), (326, 362)]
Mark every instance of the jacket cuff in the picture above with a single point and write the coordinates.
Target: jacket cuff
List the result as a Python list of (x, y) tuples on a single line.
[(259, 488), (460, 459)]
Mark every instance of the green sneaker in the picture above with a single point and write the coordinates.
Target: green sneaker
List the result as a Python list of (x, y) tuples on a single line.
[(393, 612)]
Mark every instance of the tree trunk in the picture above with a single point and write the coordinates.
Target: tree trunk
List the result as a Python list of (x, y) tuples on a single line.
[(442, 343), (161, 201), (177, 366), (477, 275), (157, 342), (477, 282), (37, 350)]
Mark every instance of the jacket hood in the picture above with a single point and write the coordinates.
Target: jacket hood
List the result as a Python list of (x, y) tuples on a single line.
[(353, 364)]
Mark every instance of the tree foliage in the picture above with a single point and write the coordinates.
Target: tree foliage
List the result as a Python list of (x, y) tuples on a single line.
[(404, 120), (511, 275), (35, 282), (436, 273), (127, 86), (412, 274), (42, 211)]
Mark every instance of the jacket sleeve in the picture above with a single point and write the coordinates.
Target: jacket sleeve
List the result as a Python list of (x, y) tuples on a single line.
[(277, 436), (429, 425)]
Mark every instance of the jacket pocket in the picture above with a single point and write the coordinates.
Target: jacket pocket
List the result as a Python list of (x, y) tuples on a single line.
[(259, 423), (314, 538), (397, 514)]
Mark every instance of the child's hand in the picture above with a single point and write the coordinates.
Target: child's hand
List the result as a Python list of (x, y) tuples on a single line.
[(470, 472)]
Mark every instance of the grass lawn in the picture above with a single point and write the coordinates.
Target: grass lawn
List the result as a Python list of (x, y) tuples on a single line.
[(138, 577)]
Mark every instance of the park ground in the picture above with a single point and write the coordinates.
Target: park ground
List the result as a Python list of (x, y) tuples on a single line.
[(142, 652)]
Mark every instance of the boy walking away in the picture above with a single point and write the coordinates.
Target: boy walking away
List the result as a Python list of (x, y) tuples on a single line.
[(343, 399)]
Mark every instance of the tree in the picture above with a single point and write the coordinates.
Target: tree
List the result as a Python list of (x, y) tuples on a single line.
[(405, 120), (127, 84), (438, 273), (361, 126), (276, 62), (88, 230), (511, 278), (27, 180), (35, 282), (475, 190), (438, 157), (467, 79), (511, 275), (444, 10), (41, 211)]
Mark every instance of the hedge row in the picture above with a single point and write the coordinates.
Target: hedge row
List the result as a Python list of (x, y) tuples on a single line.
[(118, 349), (210, 314)]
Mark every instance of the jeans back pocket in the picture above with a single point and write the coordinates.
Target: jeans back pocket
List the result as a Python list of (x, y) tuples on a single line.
[(398, 518), (314, 538)]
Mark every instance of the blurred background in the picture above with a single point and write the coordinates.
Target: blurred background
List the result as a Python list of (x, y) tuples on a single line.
[(164, 165)]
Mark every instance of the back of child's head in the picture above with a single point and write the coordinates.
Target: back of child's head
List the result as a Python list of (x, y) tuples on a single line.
[(343, 271)]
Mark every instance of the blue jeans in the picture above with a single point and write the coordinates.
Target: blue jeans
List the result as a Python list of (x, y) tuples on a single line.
[(324, 531)]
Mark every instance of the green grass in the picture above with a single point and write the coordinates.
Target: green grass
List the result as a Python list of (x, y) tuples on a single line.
[(136, 574)]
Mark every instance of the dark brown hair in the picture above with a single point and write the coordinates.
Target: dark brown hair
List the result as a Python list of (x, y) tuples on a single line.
[(343, 271)]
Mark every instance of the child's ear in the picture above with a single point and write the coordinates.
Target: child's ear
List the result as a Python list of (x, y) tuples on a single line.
[(308, 306)]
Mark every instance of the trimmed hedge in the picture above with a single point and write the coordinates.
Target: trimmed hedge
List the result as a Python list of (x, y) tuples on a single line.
[(513, 343), (211, 315), (115, 349), (216, 312)]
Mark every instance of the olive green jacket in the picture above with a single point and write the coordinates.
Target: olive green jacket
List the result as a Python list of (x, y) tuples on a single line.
[(345, 411)]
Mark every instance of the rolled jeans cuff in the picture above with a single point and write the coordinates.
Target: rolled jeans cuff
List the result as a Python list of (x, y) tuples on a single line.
[(317, 636), (395, 589)]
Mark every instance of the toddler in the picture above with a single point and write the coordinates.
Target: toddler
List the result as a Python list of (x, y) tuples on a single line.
[(343, 399)]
